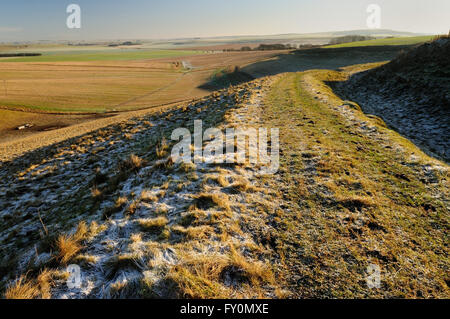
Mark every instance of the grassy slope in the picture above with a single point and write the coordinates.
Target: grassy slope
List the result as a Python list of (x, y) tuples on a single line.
[(356, 199), (388, 41), (345, 197)]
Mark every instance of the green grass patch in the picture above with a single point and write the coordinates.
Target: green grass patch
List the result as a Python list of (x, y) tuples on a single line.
[(386, 41), (103, 56)]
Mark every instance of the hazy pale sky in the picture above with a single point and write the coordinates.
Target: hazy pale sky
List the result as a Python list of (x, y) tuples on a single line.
[(22, 20)]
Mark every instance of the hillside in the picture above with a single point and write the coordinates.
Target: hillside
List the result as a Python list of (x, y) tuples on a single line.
[(411, 94), (349, 193), (384, 41)]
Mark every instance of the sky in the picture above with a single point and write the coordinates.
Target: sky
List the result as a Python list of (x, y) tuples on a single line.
[(29, 20)]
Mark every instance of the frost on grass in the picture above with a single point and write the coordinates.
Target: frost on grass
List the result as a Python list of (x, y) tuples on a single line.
[(136, 223)]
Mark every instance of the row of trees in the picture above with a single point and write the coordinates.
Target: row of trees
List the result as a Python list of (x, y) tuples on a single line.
[(9, 55), (350, 38), (265, 47)]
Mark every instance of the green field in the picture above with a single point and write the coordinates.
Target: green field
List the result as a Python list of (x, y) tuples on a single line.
[(386, 41), (102, 55)]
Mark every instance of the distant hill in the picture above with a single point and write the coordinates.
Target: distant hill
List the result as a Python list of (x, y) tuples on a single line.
[(377, 33), (384, 42), (411, 93)]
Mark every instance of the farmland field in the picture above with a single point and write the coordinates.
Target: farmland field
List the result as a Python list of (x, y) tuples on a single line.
[(79, 83), (69, 82), (102, 55), (102, 86)]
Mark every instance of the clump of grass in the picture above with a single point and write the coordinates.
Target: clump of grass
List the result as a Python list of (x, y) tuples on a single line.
[(255, 272), (198, 278), (148, 197), (355, 202), (82, 231), (242, 185), (161, 148), (192, 176), (128, 136), (162, 210), (194, 232), (189, 218), (22, 289), (69, 245), (45, 282), (86, 259), (206, 201), (153, 224), (133, 162), (188, 167), (218, 179), (96, 193), (166, 163), (218, 276), (131, 209), (114, 264)]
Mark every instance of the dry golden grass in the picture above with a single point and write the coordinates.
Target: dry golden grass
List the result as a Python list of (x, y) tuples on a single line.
[(45, 281), (131, 209), (256, 272), (219, 276), (153, 224), (121, 201), (206, 201), (219, 179), (67, 247), (188, 167), (96, 193), (86, 259), (22, 289), (148, 197), (194, 232), (162, 148), (135, 161)]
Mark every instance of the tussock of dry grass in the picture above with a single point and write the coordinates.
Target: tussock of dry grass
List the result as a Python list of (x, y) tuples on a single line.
[(194, 232), (206, 201), (131, 209), (218, 179), (219, 276), (96, 193), (22, 289), (153, 224), (133, 162), (69, 245), (161, 149), (148, 197), (188, 167)]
